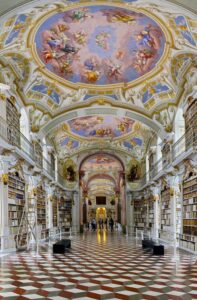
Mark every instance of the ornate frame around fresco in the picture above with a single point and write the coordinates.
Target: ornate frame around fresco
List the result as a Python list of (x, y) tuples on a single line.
[(92, 87)]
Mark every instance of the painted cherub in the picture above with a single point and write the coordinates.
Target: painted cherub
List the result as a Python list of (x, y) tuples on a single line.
[(114, 69), (102, 40), (142, 57), (80, 37), (145, 39), (80, 14)]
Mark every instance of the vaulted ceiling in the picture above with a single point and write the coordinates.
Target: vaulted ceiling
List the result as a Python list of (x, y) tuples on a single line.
[(99, 75), (10, 4)]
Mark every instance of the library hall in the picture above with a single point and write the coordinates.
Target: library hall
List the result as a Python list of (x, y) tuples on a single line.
[(98, 149)]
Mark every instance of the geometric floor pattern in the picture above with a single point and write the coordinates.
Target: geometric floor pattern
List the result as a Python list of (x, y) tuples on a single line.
[(98, 266)]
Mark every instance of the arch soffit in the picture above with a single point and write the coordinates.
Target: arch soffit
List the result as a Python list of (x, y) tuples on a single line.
[(101, 176), (104, 110), (115, 156)]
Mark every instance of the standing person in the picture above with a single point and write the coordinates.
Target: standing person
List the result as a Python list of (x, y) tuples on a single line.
[(100, 223), (111, 224), (93, 224)]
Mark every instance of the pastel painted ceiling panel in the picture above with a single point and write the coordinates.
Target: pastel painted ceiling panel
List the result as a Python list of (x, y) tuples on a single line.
[(99, 44), (101, 162), (102, 126)]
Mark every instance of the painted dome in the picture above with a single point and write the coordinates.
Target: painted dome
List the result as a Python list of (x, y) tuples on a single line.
[(99, 44)]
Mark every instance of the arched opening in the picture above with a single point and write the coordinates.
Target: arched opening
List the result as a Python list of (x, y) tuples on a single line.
[(102, 189)]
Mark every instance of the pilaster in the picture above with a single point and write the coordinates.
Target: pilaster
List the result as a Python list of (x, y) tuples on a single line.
[(129, 212), (6, 241), (75, 213)]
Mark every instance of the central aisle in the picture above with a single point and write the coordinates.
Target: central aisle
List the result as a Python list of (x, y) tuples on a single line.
[(100, 265)]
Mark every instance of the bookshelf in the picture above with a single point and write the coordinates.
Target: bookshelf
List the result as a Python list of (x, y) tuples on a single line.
[(16, 202), (65, 212), (150, 202), (165, 209), (13, 121), (41, 211), (190, 206), (55, 211), (188, 239), (140, 213), (191, 123)]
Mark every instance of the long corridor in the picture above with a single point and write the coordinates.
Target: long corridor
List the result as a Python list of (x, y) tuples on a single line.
[(99, 265)]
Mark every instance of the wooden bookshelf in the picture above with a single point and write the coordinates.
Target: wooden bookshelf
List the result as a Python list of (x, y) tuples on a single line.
[(140, 213), (13, 121), (191, 124), (41, 211), (150, 202), (16, 201), (65, 212), (55, 221), (190, 206), (165, 209)]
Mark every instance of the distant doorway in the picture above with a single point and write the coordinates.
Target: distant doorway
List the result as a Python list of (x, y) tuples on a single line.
[(101, 213)]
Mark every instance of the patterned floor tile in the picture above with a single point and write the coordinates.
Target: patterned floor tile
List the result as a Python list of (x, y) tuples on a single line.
[(113, 268)]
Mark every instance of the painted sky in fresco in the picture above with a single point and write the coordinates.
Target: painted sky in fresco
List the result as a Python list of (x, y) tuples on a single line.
[(102, 162), (100, 44), (101, 126)]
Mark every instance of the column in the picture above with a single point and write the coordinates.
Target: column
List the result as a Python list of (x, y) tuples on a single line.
[(172, 183), (156, 192), (49, 212), (75, 213)]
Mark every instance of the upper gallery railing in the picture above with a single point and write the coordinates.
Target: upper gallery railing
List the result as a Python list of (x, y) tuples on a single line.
[(188, 142), (3, 129), (15, 138)]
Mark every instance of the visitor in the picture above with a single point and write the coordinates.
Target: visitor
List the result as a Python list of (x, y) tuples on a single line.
[(100, 223), (93, 224), (111, 224)]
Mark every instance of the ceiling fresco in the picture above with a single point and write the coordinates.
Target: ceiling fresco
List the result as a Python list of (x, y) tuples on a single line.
[(102, 126), (99, 185), (89, 73), (99, 44), (101, 162), (118, 133)]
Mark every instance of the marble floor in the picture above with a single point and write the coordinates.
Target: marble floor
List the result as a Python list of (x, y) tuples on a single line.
[(99, 265)]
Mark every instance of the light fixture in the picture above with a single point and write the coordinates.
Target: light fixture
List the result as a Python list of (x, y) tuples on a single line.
[(4, 87)]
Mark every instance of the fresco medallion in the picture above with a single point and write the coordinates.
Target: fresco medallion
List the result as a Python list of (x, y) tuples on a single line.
[(99, 44)]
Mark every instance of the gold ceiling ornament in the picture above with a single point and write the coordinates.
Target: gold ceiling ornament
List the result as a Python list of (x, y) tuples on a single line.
[(13, 100), (65, 127), (5, 178), (34, 191), (35, 128), (171, 191), (101, 101), (155, 197), (2, 97), (169, 128), (137, 126)]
